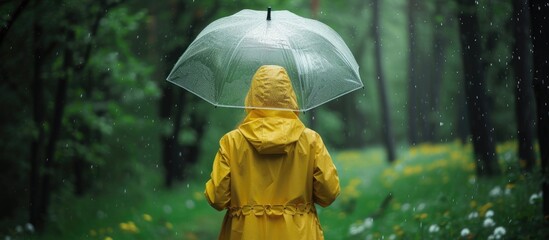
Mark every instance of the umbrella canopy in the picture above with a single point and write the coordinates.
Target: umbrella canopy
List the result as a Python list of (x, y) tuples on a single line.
[(219, 64)]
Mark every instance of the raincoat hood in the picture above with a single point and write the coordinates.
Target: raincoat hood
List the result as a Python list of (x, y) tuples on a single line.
[(271, 131)]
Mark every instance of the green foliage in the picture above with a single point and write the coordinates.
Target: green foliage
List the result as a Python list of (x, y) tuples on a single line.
[(436, 195), (430, 184)]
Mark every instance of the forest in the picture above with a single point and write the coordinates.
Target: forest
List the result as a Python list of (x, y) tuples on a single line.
[(448, 138)]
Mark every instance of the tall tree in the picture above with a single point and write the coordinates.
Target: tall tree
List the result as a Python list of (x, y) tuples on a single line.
[(413, 137), (439, 47), (539, 19), (522, 63), (475, 91), (385, 114), (37, 142)]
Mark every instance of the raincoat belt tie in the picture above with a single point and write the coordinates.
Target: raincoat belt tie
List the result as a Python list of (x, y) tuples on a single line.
[(272, 209)]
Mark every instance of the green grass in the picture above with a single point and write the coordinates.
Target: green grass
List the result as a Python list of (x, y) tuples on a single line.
[(429, 185)]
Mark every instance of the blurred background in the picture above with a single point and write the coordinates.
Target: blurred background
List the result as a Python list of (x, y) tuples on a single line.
[(97, 145)]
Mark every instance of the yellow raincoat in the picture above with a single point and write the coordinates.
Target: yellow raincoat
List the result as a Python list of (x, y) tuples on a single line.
[(271, 170)]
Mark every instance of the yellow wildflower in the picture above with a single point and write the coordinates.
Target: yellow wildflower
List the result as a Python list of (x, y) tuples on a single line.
[(421, 216), (108, 238), (198, 196), (455, 155), (147, 217), (398, 231), (413, 151), (412, 170), (482, 209), (350, 191), (168, 225), (129, 227), (473, 204), (510, 186)]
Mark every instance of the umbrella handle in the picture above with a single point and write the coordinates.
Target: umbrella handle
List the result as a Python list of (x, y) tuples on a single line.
[(269, 14)]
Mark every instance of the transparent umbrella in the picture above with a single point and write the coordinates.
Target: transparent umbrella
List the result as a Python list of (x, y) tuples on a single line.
[(219, 64)]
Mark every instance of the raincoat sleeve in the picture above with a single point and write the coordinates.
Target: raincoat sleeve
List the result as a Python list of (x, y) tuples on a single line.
[(326, 181), (218, 188)]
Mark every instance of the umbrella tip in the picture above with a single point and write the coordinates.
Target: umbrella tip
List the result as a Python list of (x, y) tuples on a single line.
[(269, 14)]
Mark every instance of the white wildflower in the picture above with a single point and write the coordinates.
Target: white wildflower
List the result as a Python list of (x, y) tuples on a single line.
[(489, 214), (465, 232), (368, 222), (29, 227), (392, 237), (420, 207), (533, 198), (507, 191), (495, 192), (499, 231), (19, 229), (434, 228), (7, 238), (405, 207), (491, 237), (356, 229), (488, 222), (472, 180), (472, 215)]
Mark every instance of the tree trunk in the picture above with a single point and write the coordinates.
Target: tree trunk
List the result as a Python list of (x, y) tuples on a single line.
[(59, 107), (413, 137), (439, 46), (167, 140), (475, 92), (539, 10), (385, 114), (39, 121), (314, 8), (462, 127), (79, 161), (522, 63), (177, 154)]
